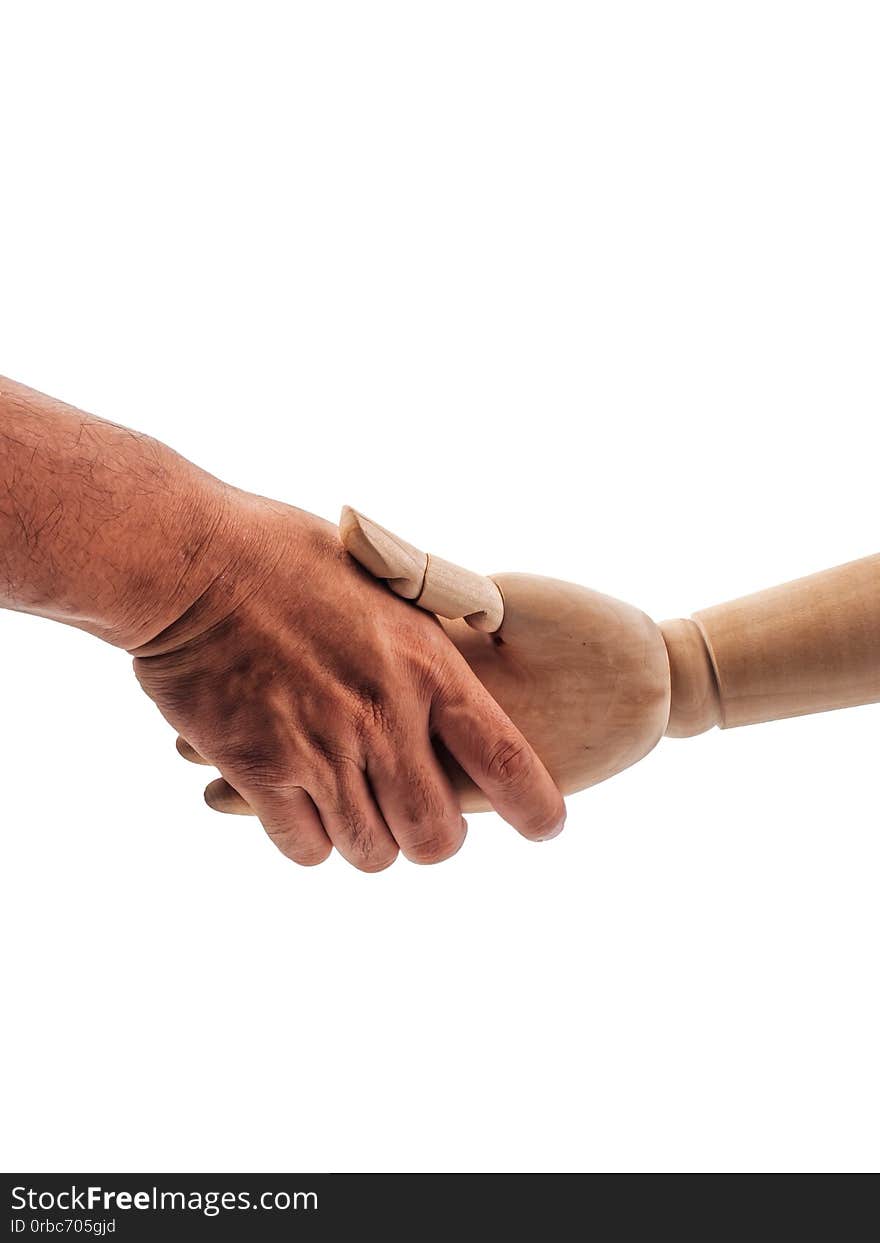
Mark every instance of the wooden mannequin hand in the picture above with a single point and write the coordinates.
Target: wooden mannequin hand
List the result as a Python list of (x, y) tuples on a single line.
[(593, 683), (318, 695)]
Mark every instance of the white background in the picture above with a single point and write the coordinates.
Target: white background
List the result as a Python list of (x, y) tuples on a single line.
[(588, 290)]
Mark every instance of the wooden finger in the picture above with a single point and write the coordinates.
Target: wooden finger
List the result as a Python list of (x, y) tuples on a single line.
[(433, 584)]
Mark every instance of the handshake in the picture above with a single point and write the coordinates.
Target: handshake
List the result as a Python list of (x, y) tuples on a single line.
[(586, 686), (355, 692)]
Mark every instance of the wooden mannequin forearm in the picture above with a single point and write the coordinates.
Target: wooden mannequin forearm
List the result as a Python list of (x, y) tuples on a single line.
[(810, 645), (100, 527)]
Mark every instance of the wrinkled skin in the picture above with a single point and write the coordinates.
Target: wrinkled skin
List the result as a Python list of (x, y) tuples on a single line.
[(322, 698)]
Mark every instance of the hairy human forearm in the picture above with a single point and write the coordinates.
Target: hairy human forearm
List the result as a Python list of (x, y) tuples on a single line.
[(101, 527), (318, 695)]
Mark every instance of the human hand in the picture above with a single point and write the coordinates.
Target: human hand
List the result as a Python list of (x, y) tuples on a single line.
[(320, 697)]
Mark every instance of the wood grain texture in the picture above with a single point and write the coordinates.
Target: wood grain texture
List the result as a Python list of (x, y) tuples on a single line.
[(433, 584), (384, 554), (806, 646), (451, 591), (584, 676)]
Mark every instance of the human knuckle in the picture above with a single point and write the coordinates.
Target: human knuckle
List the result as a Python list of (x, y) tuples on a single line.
[(360, 839), (366, 851), (288, 825), (377, 862), (310, 854), (282, 832), (509, 761), (436, 843), (291, 843), (543, 823), (257, 768)]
